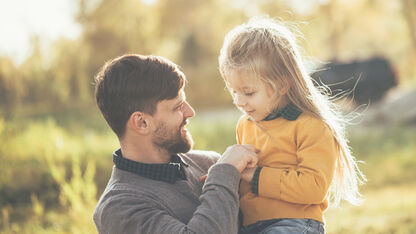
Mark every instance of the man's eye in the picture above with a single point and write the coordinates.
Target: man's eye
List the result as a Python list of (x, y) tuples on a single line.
[(179, 107)]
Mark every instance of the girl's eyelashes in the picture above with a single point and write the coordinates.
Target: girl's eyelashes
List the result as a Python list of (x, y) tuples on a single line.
[(243, 92)]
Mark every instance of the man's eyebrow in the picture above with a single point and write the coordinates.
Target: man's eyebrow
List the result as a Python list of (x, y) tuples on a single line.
[(178, 104)]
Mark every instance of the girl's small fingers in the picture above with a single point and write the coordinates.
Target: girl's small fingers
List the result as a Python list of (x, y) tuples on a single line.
[(252, 164), (203, 178), (251, 147)]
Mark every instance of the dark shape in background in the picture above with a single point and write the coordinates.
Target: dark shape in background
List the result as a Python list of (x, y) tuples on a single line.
[(366, 81)]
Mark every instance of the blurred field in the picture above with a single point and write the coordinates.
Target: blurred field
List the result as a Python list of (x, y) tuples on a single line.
[(54, 168)]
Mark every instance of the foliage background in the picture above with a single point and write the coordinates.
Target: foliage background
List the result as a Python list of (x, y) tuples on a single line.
[(56, 149)]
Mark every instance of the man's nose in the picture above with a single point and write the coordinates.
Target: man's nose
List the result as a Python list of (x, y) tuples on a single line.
[(189, 112)]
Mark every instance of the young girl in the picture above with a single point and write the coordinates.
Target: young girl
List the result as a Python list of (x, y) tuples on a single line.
[(304, 159)]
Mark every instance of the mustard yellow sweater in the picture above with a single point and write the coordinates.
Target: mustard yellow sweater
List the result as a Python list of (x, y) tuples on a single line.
[(298, 159)]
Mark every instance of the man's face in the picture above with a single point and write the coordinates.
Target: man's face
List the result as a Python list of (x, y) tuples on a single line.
[(171, 117)]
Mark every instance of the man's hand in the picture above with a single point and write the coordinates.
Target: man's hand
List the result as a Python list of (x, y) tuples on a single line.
[(247, 174), (240, 156)]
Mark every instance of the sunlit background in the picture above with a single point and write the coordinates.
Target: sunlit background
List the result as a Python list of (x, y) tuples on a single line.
[(56, 148)]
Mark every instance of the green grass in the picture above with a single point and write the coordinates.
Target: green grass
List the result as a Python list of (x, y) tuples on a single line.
[(54, 169), (48, 170), (387, 209), (390, 193)]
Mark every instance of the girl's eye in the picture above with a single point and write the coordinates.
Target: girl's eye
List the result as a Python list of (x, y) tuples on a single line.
[(249, 93)]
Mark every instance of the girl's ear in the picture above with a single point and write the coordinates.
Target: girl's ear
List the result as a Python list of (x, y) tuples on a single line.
[(139, 122), (284, 88)]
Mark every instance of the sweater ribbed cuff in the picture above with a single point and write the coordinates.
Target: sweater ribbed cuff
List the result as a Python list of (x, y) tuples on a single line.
[(255, 181), (223, 174)]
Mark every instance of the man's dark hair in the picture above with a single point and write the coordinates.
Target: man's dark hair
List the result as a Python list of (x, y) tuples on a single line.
[(135, 83)]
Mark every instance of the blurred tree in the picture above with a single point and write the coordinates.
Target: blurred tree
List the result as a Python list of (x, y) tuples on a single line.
[(9, 91), (196, 29), (112, 28), (190, 51), (37, 81), (335, 23), (68, 64), (190, 33), (409, 10)]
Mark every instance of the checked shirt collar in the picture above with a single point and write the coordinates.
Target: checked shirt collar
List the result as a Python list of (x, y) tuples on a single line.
[(289, 112), (169, 172)]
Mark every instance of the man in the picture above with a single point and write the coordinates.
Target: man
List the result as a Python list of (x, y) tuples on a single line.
[(155, 186)]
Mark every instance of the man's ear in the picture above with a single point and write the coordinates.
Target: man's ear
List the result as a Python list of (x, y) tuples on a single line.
[(139, 122)]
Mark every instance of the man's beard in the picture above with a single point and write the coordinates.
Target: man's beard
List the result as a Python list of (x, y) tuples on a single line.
[(172, 139)]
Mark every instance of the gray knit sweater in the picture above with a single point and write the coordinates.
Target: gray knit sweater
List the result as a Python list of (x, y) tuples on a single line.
[(134, 204)]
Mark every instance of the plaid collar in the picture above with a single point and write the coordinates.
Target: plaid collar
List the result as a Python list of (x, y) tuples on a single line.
[(289, 112), (169, 172)]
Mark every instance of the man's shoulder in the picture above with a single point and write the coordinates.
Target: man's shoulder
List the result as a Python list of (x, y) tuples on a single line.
[(123, 183), (119, 199), (201, 158), (126, 190), (202, 155)]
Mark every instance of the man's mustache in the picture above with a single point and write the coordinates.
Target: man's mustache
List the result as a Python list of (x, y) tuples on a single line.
[(184, 122)]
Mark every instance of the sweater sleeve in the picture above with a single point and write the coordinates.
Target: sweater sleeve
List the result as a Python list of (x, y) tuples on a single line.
[(309, 182), (217, 213)]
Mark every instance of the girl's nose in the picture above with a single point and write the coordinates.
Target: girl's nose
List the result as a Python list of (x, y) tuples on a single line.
[(240, 101)]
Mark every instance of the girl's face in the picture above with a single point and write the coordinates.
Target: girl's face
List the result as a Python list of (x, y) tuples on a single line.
[(253, 96)]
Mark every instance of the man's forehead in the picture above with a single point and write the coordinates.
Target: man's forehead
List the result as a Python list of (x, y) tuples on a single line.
[(181, 96)]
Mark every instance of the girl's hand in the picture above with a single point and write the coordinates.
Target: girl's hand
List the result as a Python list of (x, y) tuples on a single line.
[(247, 174), (240, 156)]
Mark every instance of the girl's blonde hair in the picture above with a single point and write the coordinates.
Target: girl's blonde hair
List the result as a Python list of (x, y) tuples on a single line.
[(268, 49)]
